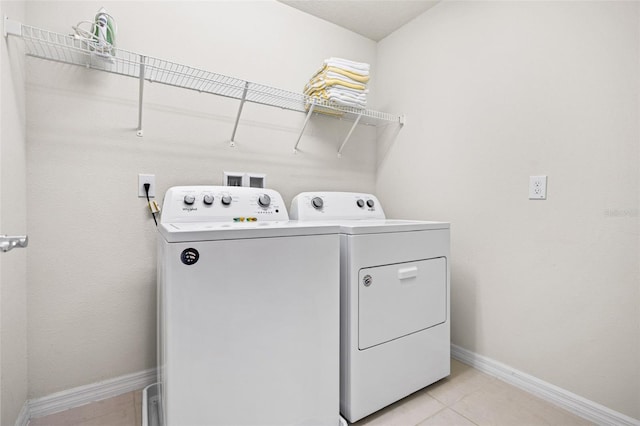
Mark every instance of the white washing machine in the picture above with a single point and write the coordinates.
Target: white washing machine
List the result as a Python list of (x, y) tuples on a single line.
[(248, 307), (394, 308)]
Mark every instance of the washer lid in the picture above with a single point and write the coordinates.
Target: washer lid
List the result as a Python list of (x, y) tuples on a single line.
[(355, 227), (212, 231)]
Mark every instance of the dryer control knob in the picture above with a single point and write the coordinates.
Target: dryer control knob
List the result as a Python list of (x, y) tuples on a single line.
[(226, 200), (360, 203), (208, 199), (189, 199), (370, 203), (264, 200), (317, 203)]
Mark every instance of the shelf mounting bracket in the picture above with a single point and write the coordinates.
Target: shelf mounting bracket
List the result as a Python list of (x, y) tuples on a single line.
[(306, 120), (235, 126), (12, 27), (139, 132), (355, 123)]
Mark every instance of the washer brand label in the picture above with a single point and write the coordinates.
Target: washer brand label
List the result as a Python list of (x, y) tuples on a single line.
[(189, 256), (189, 209)]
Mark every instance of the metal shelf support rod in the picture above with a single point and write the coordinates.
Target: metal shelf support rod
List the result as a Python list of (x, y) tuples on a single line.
[(139, 132), (235, 126), (306, 120), (355, 123)]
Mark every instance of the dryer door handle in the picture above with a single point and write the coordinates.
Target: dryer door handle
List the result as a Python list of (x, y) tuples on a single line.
[(406, 273)]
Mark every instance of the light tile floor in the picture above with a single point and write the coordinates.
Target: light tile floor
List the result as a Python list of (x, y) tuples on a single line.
[(465, 398)]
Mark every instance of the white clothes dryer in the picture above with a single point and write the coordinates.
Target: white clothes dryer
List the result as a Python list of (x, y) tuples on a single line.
[(394, 299), (248, 308)]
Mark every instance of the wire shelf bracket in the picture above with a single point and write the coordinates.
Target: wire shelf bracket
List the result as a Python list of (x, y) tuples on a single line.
[(235, 126), (304, 125), (12, 27), (355, 123), (139, 131), (73, 50)]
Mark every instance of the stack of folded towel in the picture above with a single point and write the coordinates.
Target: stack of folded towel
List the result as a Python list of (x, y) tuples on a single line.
[(341, 82)]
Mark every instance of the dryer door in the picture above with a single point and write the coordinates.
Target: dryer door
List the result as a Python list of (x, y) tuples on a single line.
[(400, 299)]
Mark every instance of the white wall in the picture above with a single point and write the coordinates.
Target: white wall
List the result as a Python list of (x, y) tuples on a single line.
[(495, 92), (92, 251), (13, 221)]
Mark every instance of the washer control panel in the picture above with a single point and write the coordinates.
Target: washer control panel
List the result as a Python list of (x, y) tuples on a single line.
[(222, 204), (335, 206)]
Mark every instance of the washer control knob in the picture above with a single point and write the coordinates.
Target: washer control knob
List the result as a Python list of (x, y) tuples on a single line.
[(226, 199), (264, 200), (360, 203), (208, 199), (317, 203), (370, 203), (189, 199)]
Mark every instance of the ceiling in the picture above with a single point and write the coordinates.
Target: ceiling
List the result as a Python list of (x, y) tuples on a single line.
[(374, 19)]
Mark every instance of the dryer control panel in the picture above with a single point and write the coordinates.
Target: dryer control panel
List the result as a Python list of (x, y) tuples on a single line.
[(222, 204), (335, 206)]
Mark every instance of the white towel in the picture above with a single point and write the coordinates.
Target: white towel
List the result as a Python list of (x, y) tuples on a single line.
[(330, 84), (321, 83), (346, 102), (357, 67), (337, 95), (337, 76), (357, 97)]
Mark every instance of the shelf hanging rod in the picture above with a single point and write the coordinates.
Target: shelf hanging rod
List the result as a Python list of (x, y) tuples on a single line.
[(355, 123), (306, 120), (235, 126)]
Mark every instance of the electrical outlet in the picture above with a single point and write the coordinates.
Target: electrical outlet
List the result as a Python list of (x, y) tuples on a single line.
[(537, 187), (151, 180)]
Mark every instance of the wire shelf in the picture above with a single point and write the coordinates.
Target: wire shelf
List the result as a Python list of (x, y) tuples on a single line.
[(70, 49), (74, 50)]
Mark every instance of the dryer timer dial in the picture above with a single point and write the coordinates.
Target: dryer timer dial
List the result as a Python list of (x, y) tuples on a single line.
[(317, 203)]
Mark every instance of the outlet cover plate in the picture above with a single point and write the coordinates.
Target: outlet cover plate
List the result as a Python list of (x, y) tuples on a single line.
[(537, 187), (150, 179)]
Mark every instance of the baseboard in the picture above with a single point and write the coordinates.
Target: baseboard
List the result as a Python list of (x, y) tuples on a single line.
[(75, 397), (23, 417), (576, 404)]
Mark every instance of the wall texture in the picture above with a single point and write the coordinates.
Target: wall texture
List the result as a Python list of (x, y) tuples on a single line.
[(92, 252), (13, 221), (495, 92)]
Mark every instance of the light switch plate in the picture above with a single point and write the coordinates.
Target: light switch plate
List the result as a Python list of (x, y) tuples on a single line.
[(537, 187)]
